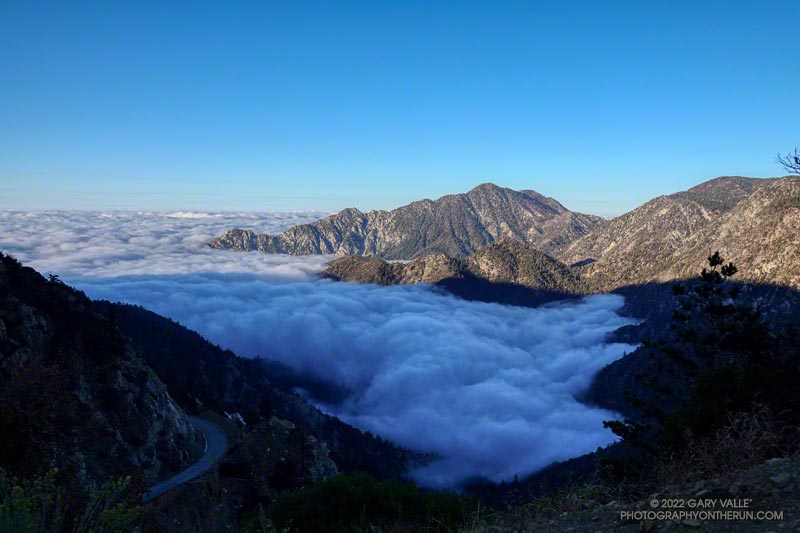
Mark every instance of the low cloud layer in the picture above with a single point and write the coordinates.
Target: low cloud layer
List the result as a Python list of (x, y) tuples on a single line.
[(489, 388), (77, 244)]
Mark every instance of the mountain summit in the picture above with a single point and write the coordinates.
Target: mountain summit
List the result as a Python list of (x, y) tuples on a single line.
[(455, 225)]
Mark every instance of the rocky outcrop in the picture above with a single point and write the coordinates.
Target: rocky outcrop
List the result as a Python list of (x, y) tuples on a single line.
[(202, 376), (455, 225), (74, 394)]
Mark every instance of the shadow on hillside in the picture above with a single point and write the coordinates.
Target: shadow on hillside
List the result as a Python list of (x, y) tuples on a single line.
[(478, 289), (653, 303), (472, 288), (203, 376)]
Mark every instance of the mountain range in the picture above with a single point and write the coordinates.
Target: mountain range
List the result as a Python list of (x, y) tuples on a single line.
[(753, 222), (455, 225), (749, 220), (640, 254), (103, 390)]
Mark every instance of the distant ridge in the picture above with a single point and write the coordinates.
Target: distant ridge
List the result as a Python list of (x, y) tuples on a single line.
[(455, 225), (507, 271), (753, 222)]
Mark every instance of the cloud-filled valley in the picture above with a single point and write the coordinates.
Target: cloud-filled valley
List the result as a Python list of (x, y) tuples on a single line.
[(488, 388)]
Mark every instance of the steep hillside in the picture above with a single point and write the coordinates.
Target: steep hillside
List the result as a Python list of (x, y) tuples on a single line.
[(508, 271), (86, 388), (203, 376), (761, 234), (431, 268), (511, 261), (723, 193), (73, 392), (749, 220), (455, 225)]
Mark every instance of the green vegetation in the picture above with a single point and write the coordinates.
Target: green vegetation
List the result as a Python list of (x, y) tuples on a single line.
[(359, 502), (42, 505)]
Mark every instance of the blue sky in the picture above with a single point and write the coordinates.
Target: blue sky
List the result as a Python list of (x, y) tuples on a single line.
[(324, 105)]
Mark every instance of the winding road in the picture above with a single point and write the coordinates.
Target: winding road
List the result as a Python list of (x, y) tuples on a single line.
[(216, 447)]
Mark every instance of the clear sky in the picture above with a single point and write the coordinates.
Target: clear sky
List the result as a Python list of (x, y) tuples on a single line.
[(323, 105)]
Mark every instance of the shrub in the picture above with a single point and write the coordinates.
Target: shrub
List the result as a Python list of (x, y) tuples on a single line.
[(746, 440), (40, 504), (358, 502)]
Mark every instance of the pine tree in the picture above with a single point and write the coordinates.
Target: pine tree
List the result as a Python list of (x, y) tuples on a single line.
[(711, 327)]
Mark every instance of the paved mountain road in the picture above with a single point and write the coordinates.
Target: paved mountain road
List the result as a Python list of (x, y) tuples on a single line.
[(216, 447)]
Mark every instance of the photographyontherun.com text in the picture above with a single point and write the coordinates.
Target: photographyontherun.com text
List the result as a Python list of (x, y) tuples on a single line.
[(703, 509)]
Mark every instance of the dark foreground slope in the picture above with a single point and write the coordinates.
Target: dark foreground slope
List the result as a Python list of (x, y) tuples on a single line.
[(455, 225), (203, 376), (74, 394), (95, 392), (655, 304)]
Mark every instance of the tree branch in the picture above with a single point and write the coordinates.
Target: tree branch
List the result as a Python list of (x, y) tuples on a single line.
[(790, 161)]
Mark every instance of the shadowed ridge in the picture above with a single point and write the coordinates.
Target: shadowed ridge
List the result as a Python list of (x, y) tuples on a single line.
[(74, 393), (508, 271)]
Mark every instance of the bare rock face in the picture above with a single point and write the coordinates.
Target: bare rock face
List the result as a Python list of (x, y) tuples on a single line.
[(455, 225), (74, 394), (752, 222)]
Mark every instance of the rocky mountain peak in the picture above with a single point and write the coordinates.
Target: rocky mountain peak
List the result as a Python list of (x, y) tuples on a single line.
[(455, 225), (487, 186)]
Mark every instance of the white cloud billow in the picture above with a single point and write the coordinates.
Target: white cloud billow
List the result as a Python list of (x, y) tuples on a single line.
[(77, 244), (489, 388)]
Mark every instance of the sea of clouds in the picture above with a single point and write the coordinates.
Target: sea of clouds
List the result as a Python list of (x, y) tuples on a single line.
[(79, 244), (488, 388)]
